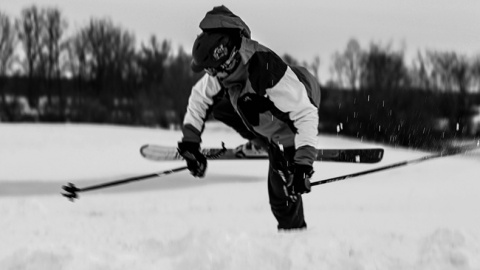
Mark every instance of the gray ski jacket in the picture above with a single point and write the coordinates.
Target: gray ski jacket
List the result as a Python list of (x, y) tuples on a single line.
[(276, 101)]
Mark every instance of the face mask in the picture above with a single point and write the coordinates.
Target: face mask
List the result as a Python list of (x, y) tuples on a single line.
[(226, 68)]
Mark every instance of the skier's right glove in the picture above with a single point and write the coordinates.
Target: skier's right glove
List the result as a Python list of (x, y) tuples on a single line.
[(196, 161), (298, 181), (301, 178)]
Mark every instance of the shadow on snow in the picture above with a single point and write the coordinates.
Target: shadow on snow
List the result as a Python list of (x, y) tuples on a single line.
[(175, 181)]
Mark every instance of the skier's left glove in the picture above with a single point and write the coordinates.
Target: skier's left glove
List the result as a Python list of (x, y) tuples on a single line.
[(300, 182), (196, 161)]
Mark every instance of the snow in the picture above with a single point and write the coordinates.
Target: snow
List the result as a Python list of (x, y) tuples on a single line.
[(423, 216)]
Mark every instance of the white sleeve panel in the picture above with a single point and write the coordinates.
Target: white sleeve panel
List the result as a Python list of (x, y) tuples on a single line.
[(290, 96), (200, 100)]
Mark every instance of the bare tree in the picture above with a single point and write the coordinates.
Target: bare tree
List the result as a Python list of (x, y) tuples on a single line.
[(7, 49), (107, 51), (450, 71), (453, 72), (30, 30), (315, 66), (383, 69), (52, 47), (55, 26), (290, 60), (178, 82), (346, 66), (152, 59), (475, 72), (420, 72), (76, 59), (153, 102), (7, 44)]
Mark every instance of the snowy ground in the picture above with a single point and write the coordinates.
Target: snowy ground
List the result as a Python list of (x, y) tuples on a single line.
[(424, 216)]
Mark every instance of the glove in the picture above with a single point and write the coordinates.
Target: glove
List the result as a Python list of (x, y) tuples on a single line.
[(196, 161), (300, 181)]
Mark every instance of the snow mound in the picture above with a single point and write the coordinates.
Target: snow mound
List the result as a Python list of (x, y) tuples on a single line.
[(423, 216)]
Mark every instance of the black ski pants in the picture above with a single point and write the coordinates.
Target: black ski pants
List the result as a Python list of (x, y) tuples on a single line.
[(288, 214)]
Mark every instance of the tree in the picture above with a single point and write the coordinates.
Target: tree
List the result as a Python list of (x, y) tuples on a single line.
[(76, 59), (152, 103), (55, 26), (453, 72), (107, 53), (7, 44), (30, 28), (450, 71), (315, 66), (102, 59), (152, 59), (53, 46), (346, 66), (178, 83), (290, 60), (475, 72), (383, 69), (420, 73), (7, 57)]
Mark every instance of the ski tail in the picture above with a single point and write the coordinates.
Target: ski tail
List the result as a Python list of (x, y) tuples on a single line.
[(366, 155)]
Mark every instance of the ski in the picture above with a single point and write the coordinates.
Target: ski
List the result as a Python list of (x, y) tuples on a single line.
[(359, 155)]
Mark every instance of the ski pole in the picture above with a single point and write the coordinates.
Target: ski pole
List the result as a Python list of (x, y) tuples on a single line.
[(352, 175), (72, 191), (449, 152)]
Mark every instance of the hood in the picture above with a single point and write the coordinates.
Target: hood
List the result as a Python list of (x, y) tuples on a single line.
[(221, 17)]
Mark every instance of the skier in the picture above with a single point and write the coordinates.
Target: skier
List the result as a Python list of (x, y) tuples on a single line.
[(250, 88)]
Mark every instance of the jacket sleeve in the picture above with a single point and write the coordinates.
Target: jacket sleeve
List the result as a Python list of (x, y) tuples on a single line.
[(290, 96), (199, 103)]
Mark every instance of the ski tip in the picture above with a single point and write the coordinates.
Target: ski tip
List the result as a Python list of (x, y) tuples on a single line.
[(143, 148)]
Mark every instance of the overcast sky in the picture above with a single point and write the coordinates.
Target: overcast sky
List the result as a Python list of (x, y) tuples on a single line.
[(301, 28)]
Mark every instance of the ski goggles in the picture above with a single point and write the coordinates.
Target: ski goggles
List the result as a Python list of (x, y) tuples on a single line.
[(227, 67)]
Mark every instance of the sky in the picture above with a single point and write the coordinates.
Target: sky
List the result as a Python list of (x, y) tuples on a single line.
[(302, 28)]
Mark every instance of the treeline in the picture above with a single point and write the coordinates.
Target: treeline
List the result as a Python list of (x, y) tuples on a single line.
[(434, 99), (99, 74)]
